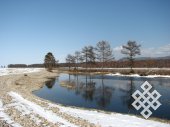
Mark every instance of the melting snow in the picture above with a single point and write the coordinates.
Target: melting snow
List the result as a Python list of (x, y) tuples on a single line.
[(98, 118), (112, 119), (10, 71), (5, 117), (29, 107), (136, 75)]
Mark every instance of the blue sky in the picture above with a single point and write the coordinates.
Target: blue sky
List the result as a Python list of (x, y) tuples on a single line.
[(29, 29)]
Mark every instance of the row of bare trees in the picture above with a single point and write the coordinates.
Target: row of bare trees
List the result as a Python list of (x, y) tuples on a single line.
[(89, 55), (101, 53)]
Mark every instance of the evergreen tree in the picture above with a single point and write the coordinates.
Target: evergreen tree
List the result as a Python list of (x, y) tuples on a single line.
[(49, 61)]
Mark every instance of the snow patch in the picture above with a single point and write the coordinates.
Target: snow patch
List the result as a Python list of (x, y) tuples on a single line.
[(112, 119), (5, 117), (137, 75), (29, 107), (11, 71), (98, 118)]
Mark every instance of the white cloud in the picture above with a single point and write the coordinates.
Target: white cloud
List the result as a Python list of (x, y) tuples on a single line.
[(119, 48), (117, 52), (156, 52), (146, 52)]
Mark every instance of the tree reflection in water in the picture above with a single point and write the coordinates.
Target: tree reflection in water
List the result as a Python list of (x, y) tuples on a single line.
[(103, 94), (50, 83), (87, 89), (78, 88), (84, 88), (127, 97)]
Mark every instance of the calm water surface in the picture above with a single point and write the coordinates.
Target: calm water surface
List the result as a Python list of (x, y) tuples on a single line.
[(107, 93)]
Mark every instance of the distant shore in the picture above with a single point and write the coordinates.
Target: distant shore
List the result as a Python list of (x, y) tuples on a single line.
[(147, 72)]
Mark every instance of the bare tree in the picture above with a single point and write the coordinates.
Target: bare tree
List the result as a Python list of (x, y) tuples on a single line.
[(92, 54), (49, 61), (88, 55), (85, 54), (70, 59), (131, 49), (104, 52), (77, 58)]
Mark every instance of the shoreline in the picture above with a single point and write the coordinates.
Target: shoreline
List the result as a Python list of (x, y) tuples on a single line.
[(25, 84), (124, 71), (117, 74)]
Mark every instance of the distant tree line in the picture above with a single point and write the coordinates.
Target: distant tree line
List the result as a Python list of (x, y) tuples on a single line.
[(151, 63), (26, 66)]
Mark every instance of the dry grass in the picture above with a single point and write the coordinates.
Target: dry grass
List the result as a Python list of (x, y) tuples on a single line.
[(126, 71)]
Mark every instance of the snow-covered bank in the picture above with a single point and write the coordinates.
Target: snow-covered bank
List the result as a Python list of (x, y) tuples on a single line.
[(11, 71), (5, 117), (137, 75), (111, 120), (27, 107), (122, 68), (100, 119)]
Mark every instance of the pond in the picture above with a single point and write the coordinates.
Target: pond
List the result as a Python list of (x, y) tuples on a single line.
[(104, 92)]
